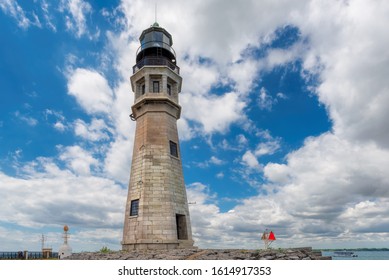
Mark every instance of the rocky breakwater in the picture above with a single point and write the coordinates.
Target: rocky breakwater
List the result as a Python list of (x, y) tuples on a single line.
[(305, 253)]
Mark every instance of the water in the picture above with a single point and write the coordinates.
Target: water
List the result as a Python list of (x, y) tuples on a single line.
[(361, 255)]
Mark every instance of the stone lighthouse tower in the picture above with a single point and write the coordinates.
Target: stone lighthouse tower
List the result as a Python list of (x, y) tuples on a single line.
[(157, 215)]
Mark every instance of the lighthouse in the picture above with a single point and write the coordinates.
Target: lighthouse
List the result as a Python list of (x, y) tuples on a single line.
[(157, 214)]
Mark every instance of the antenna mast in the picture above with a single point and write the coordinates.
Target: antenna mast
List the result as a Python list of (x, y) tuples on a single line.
[(155, 11), (43, 239)]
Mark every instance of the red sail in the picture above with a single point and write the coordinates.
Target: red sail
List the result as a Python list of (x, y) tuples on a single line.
[(272, 236)]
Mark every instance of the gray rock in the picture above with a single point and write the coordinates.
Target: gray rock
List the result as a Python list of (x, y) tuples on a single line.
[(200, 254)]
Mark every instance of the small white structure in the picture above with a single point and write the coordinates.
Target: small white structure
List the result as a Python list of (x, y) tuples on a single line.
[(65, 250)]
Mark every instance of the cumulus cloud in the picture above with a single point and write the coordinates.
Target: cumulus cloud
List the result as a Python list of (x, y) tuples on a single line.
[(213, 54), (334, 187), (78, 160), (335, 184), (213, 113), (237, 228), (91, 91), (354, 65), (185, 132), (267, 147), (59, 126), (328, 188), (250, 160), (97, 130), (276, 173), (117, 162), (212, 161), (53, 197)]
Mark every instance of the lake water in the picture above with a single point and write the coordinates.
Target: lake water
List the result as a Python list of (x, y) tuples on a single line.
[(361, 255)]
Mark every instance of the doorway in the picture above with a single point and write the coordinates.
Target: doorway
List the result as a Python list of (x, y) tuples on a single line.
[(182, 232)]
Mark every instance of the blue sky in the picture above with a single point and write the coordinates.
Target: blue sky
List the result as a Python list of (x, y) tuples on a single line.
[(284, 120)]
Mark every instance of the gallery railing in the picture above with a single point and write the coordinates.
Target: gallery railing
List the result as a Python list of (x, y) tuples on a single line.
[(155, 60)]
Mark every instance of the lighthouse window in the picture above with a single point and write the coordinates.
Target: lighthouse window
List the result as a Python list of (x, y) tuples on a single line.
[(134, 207), (169, 89), (173, 149), (155, 86), (143, 89)]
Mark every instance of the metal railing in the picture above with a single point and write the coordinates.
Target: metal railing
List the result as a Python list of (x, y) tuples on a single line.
[(155, 44), (155, 60), (21, 255)]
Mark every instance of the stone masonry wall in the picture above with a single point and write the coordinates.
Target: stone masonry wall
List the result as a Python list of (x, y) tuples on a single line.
[(157, 181), (207, 254)]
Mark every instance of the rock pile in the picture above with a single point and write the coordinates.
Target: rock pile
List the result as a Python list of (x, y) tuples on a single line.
[(305, 253)]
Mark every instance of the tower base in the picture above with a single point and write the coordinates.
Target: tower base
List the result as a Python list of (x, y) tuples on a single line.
[(155, 245)]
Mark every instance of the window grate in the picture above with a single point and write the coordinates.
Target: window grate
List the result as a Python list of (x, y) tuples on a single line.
[(134, 207), (173, 149)]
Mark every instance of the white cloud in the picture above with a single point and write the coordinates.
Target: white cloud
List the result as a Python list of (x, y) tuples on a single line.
[(267, 148), (45, 6), (97, 130), (78, 160), (250, 160), (53, 197), (276, 173), (121, 110), (214, 113), (28, 120), (240, 227), (198, 78), (185, 132), (265, 101), (212, 161), (242, 140), (216, 161), (317, 195), (12, 8), (199, 193), (281, 95), (117, 163), (277, 57), (212, 53), (58, 119), (76, 13), (243, 75), (334, 187), (91, 91), (329, 180), (354, 64), (59, 126)]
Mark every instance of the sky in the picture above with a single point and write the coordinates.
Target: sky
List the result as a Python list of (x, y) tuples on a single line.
[(284, 120)]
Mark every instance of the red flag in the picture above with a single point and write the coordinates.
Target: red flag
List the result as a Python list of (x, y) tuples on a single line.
[(272, 236)]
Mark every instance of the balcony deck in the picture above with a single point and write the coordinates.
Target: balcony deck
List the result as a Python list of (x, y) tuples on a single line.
[(157, 61)]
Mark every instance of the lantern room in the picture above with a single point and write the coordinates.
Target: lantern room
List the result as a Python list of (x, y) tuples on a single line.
[(156, 48)]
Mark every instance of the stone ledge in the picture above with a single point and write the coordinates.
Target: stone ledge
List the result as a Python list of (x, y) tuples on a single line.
[(205, 254)]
